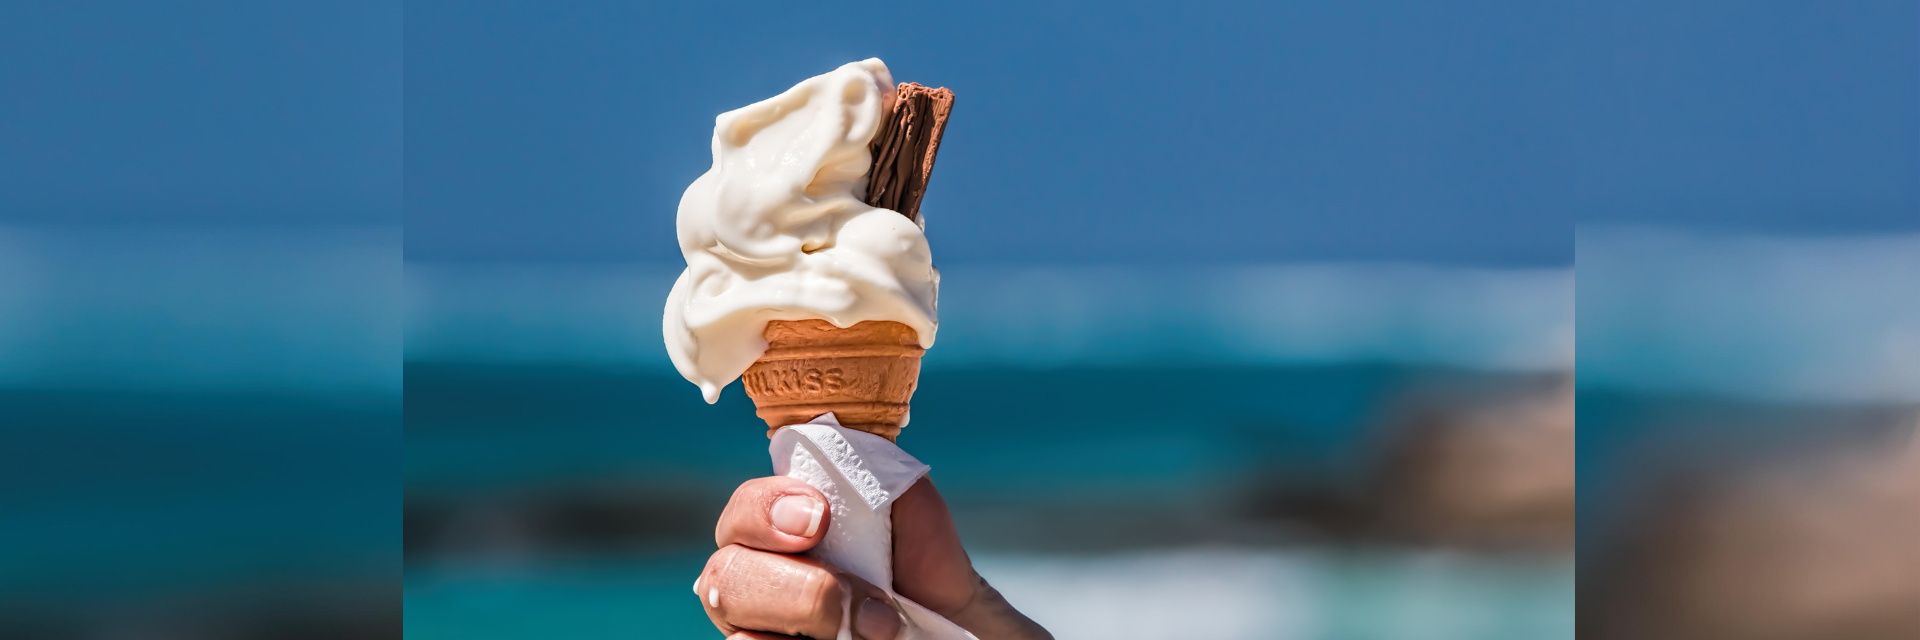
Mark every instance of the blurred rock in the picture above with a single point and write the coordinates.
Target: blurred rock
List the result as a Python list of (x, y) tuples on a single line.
[(1821, 545), (523, 525), (369, 609), (1488, 473)]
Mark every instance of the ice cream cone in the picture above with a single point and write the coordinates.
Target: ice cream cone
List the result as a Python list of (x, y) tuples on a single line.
[(864, 374)]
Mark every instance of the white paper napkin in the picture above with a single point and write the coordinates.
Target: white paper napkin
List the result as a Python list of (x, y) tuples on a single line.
[(861, 474)]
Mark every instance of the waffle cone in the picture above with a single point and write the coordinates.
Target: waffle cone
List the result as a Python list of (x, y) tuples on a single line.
[(865, 374)]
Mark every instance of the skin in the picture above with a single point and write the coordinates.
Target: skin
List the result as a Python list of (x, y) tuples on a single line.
[(765, 590)]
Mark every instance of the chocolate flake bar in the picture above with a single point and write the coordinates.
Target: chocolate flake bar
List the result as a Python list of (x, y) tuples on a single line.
[(904, 149)]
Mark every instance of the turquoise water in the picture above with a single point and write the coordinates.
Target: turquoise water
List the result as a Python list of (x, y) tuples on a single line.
[(537, 415), (1128, 453), (1136, 487), (473, 427), (611, 598), (1220, 594)]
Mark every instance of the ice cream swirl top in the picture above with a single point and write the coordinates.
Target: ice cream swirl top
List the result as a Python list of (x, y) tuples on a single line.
[(776, 230)]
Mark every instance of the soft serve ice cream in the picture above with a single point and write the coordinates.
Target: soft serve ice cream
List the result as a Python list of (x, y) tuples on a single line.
[(777, 229)]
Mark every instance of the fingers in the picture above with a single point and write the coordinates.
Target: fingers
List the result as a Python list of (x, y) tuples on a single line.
[(750, 590), (778, 514), (929, 565)]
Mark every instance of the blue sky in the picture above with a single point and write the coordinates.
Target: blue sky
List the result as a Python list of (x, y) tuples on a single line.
[(1241, 134), (1475, 133), (1196, 132), (200, 111)]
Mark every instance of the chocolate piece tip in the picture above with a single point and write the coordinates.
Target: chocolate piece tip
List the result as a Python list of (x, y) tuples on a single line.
[(905, 147)]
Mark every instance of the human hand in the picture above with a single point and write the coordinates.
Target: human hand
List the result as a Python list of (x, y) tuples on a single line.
[(756, 587)]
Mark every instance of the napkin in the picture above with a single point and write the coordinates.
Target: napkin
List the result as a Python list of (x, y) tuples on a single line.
[(861, 475)]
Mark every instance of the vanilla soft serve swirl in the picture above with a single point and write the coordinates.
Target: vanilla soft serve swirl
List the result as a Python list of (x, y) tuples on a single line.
[(776, 230)]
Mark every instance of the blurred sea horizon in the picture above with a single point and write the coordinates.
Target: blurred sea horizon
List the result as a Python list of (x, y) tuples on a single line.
[(529, 389), (204, 430), (1204, 427), (1218, 366), (1040, 316)]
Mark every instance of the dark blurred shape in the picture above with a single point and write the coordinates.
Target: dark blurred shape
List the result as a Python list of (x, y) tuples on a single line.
[(308, 611), (1497, 473), (1818, 538), (1749, 403), (613, 518)]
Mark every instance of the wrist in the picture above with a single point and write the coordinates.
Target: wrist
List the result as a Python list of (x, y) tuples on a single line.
[(988, 615)]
